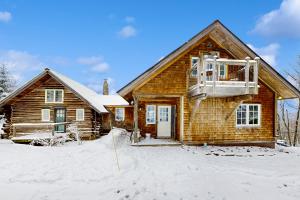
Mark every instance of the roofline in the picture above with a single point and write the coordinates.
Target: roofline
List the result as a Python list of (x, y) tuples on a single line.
[(30, 82), (167, 56), (268, 66), (265, 62)]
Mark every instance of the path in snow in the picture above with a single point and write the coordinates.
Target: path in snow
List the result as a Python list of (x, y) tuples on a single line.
[(89, 171)]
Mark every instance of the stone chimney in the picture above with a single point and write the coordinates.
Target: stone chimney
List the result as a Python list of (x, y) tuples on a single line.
[(105, 87)]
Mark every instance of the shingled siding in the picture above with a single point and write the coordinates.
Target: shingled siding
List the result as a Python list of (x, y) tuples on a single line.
[(27, 109), (173, 81), (211, 125)]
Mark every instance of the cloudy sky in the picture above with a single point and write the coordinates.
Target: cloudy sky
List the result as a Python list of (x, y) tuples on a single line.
[(92, 40)]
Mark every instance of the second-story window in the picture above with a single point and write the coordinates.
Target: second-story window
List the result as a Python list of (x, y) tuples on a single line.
[(54, 96), (222, 71), (194, 62)]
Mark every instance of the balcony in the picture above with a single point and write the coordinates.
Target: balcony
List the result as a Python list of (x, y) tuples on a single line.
[(223, 77)]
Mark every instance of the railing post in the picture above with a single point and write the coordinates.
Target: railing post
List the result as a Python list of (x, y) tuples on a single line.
[(255, 77), (198, 75), (204, 73), (214, 73), (247, 74)]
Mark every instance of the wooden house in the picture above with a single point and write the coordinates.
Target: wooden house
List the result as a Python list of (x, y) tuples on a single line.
[(213, 89), (50, 101)]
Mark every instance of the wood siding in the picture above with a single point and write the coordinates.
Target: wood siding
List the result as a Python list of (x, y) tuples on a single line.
[(27, 108), (210, 125)]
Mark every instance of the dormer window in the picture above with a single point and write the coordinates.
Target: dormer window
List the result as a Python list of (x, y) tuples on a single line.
[(54, 96)]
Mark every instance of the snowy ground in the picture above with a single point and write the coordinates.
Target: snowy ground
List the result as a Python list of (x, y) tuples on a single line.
[(90, 171)]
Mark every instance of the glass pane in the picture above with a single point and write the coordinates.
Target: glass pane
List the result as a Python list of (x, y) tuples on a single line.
[(243, 121), (164, 114), (238, 121), (58, 96), (50, 95)]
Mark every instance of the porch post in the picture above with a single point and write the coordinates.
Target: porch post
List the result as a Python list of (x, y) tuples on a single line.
[(247, 74), (136, 118)]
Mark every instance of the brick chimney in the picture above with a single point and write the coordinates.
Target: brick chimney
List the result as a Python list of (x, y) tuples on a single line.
[(105, 87)]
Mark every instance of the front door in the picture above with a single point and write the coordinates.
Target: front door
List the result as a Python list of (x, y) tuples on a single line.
[(164, 122), (60, 116)]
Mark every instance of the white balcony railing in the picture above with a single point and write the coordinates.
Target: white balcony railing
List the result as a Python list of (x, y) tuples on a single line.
[(210, 80)]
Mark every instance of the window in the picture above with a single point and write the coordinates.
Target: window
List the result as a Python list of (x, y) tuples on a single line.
[(248, 115), (194, 62), (54, 96), (222, 71), (120, 114), (79, 114), (150, 114), (45, 115)]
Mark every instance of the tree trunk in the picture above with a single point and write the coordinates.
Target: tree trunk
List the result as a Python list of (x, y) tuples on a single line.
[(297, 124)]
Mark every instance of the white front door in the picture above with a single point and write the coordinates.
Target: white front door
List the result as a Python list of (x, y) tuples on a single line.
[(164, 121)]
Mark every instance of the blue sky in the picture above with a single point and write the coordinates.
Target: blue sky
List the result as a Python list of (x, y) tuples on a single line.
[(92, 40)]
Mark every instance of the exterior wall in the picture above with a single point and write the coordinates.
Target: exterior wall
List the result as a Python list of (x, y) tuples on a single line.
[(211, 125), (109, 119), (27, 109), (173, 81), (152, 128)]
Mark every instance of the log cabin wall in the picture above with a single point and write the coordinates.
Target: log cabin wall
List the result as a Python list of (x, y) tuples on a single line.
[(27, 109), (173, 81)]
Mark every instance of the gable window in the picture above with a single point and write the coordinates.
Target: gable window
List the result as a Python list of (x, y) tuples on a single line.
[(54, 95), (150, 114), (194, 62), (120, 114), (45, 115), (80, 114), (248, 115)]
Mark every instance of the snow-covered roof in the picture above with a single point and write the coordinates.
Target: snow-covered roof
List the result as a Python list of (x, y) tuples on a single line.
[(95, 100)]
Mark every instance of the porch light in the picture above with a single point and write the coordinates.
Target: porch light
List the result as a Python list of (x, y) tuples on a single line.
[(280, 97)]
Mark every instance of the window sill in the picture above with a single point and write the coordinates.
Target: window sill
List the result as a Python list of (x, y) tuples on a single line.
[(247, 126)]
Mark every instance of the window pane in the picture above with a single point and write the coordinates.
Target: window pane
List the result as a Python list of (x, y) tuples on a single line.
[(119, 114), (58, 96), (50, 95), (150, 114)]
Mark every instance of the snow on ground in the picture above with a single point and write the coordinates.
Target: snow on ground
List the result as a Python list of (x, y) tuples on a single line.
[(89, 171)]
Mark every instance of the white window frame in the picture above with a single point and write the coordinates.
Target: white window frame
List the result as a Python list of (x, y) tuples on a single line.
[(122, 118), (225, 71), (77, 114), (147, 113), (43, 115), (62, 97), (194, 58), (247, 125)]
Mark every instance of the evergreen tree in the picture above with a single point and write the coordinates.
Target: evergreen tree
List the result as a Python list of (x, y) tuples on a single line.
[(7, 82)]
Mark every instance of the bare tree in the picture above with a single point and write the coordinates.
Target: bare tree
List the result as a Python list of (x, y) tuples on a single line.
[(295, 76)]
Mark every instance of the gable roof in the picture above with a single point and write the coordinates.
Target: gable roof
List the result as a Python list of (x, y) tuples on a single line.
[(96, 101), (267, 73)]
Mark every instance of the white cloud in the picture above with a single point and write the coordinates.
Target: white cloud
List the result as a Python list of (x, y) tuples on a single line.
[(96, 63), (127, 32), (92, 60), (20, 62), (268, 53), (5, 16), (129, 19), (284, 21), (101, 67)]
